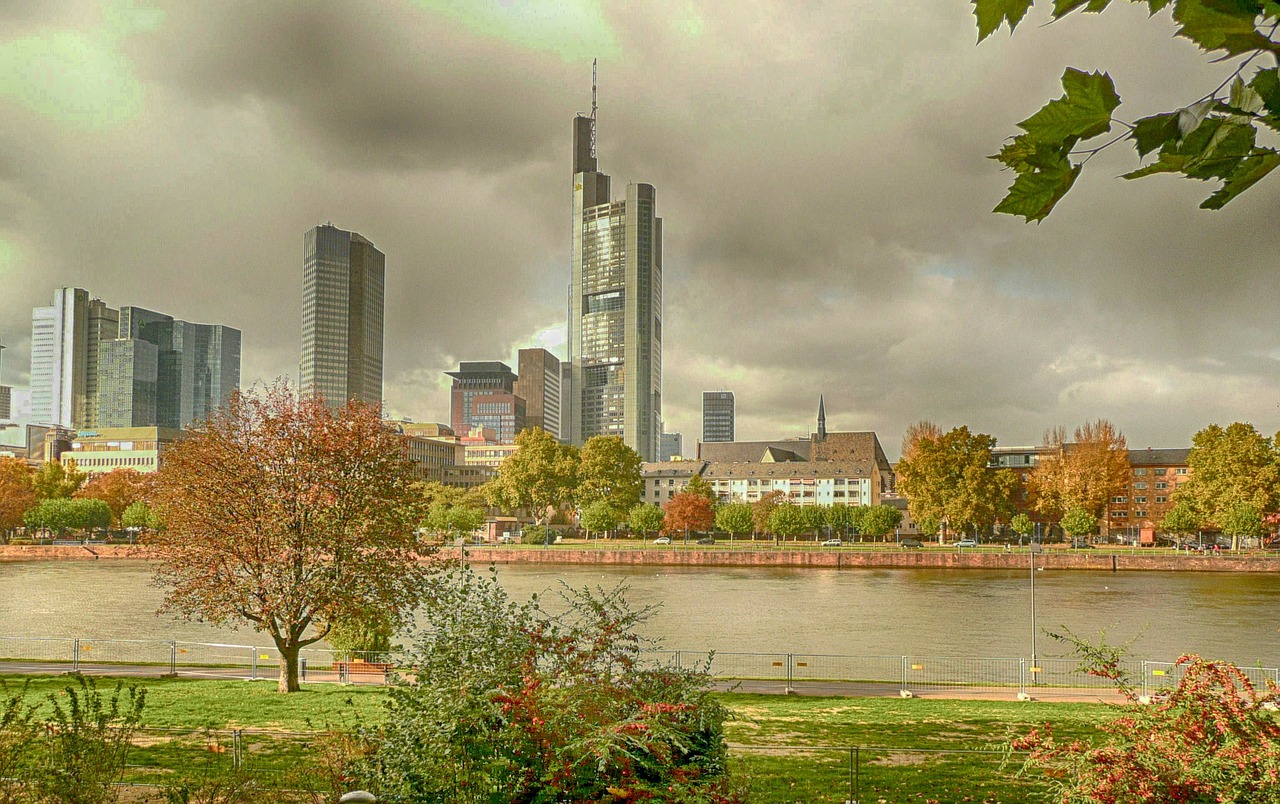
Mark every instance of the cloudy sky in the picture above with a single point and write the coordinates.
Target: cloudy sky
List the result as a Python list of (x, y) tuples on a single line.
[(820, 168)]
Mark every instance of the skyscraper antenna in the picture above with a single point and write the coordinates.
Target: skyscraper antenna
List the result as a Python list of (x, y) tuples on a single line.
[(593, 108)]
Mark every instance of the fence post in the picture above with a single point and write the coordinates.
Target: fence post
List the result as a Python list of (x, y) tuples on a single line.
[(302, 661), (173, 657), (75, 655), (1145, 693), (903, 690), (677, 660), (790, 673), (253, 664), (857, 774), (237, 758), (1022, 676)]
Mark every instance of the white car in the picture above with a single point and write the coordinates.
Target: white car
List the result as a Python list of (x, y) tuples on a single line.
[(832, 543), (966, 543), (662, 540)]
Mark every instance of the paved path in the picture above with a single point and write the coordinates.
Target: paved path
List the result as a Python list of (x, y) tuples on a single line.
[(867, 689)]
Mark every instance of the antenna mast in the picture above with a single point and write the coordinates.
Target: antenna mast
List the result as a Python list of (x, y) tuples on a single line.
[(593, 108)]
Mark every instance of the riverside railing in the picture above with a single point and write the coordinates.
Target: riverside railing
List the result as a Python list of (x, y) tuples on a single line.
[(836, 674)]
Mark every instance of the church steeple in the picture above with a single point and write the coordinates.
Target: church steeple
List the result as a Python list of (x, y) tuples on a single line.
[(822, 419)]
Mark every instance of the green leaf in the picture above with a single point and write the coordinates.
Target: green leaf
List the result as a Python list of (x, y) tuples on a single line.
[(991, 13), (1063, 7), (1157, 6), (1250, 171), (1153, 132), (1267, 84), (1084, 112), (1229, 142), (1221, 25), (1244, 98), (1034, 193)]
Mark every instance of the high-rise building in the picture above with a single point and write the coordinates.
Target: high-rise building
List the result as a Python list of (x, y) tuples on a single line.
[(671, 446), (717, 416), (127, 387), (343, 290), (483, 395), (64, 357), (538, 384), (615, 306)]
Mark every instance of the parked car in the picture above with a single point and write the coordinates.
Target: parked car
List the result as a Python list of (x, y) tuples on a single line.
[(832, 543), (508, 538), (967, 543), (706, 540), (662, 540), (911, 543), (1081, 544)]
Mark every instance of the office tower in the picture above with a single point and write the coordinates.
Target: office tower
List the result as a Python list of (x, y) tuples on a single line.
[(717, 416), (615, 306), (483, 395), (538, 384), (671, 446), (6, 393), (127, 387), (64, 357), (343, 283)]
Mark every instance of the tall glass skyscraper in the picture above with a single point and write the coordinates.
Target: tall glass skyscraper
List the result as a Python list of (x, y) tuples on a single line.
[(717, 416), (343, 286), (615, 307), (64, 357)]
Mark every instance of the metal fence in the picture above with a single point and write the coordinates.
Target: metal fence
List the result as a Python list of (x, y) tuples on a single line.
[(907, 675)]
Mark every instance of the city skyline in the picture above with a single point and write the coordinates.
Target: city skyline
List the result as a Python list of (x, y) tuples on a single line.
[(828, 199)]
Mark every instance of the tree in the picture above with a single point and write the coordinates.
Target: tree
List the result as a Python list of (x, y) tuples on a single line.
[(57, 479), (762, 509), (609, 471), (541, 475), (1230, 467), (288, 515), (916, 433), (787, 521), (1241, 521), (1213, 137), (1181, 520), (645, 518), (946, 479), (1085, 472), (814, 517), (141, 516), (118, 488), (510, 702), (600, 516), (699, 485), (688, 512), (1078, 522), (879, 521), (1022, 525), (16, 492), (735, 518), (62, 515), (450, 518)]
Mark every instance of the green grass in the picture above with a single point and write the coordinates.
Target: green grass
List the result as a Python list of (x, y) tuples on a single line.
[(787, 748)]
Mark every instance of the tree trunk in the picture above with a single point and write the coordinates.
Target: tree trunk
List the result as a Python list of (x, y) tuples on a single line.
[(288, 667)]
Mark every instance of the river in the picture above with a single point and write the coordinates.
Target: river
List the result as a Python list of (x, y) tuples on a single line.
[(855, 612)]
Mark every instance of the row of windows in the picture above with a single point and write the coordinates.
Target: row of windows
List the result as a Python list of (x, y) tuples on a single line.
[(1160, 470)]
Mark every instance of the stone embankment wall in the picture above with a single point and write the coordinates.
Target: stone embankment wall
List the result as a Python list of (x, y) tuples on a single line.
[(828, 559)]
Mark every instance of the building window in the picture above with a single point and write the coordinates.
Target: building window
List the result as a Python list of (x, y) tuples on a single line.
[(1139, 472), (1139, 499), (1180, 471), (1162, 485), (1140, 486), (1162, 499), (1119, 500)]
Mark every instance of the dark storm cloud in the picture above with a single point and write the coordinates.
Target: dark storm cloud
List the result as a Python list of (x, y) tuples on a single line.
[(820, 168)]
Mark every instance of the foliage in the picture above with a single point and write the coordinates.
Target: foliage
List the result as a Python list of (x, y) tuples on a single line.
[(1212, 137), (118, 488), (946, 479), (645, 518), (140, 515), (288, 515), (699, 485), (880, 520), (1211, 738), (1242, 520), (735, 518), (1230, 467), (62, 514), (608, 471), (87, 742), (16, 492), (842, 518), (762, 509), (1022, 525), (537, 534), (541, 475), (368, 638), (18, 733), (433, 492), (57, 479), (1078, 522), (688, 512), (461, 518), (923, 430), (509, 703), (1180, 519), (216, 782), (787, 520), (1084, 472), (814, 517), (600, 516)]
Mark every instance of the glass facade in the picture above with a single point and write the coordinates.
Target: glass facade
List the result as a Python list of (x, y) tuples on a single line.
[(343, 290), (717, 416), (64, 357)]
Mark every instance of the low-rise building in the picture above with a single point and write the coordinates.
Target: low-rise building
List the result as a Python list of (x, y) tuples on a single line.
[(664, 480), (1155, 474), (108, 448)]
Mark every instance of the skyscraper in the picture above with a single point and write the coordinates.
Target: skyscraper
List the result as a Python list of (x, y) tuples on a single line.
[(343, 285), (64, 357), (538, 384), (717, 416), (483, 395), (615, 306)]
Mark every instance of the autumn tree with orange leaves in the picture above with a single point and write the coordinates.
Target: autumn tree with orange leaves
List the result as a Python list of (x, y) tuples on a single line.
[(290, 516), (16, 493), (118, 488), (686, 512), (1085, 471)]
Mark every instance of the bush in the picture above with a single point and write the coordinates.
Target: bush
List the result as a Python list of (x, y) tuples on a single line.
[(87, 741), (367, 640), (537, 534), (510, 703), (18, 732)]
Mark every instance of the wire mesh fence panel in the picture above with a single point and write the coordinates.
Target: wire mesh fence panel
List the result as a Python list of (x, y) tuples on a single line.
[(738, 666), (1062, 678), (114, 652), (35, 649), (850, 669), (925, 674), (203, 658)]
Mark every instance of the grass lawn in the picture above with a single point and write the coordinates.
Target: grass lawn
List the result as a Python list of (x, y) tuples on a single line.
[(789, 748)]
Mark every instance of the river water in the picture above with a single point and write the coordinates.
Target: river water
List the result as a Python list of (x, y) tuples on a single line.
[(857, 612)]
